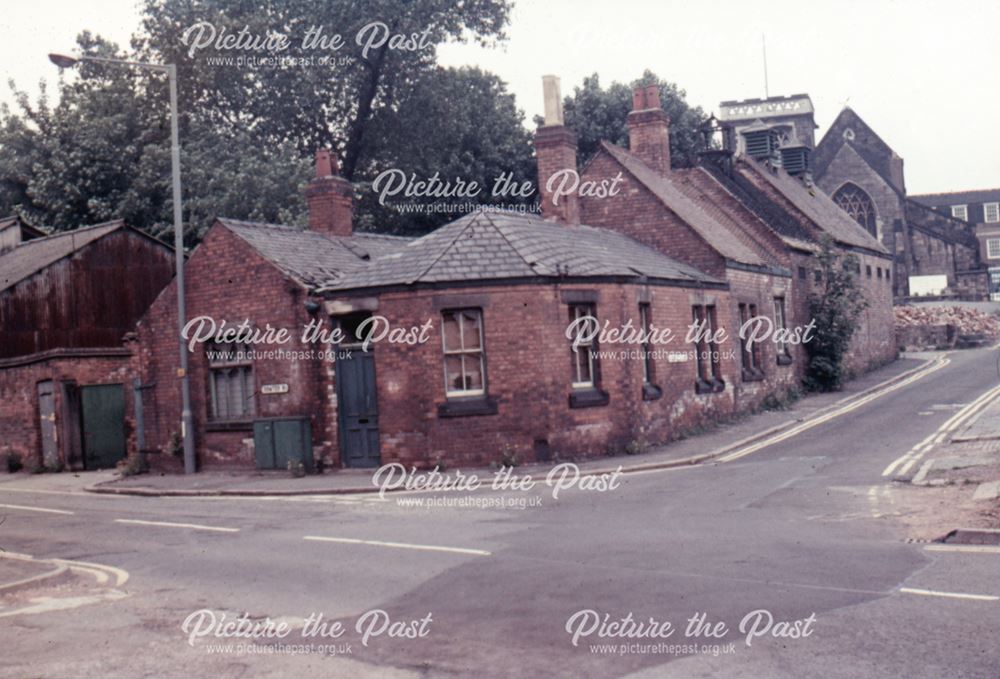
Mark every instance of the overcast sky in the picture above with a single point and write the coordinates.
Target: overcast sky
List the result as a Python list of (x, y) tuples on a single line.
[(922, 73)]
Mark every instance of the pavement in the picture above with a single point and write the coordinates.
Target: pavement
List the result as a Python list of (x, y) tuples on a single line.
[(800, 526), (966, 456), (719, 440)]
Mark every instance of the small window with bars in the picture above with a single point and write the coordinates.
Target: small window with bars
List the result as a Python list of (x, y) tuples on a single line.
[(230, 380)]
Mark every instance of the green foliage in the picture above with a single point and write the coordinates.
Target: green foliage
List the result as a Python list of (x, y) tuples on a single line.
[(637, 446), (835, 310), (248, 133), (469, 127), (133, 465), (12, 462), (508, 457), (176, 444), (597, 113), (781, 401)]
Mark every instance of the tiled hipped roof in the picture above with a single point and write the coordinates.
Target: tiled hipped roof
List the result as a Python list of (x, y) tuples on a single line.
[(34, 255), (310, 257), (491, 246)]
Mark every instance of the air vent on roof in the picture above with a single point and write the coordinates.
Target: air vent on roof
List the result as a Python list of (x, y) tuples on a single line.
[(795, 159), (761, 142)]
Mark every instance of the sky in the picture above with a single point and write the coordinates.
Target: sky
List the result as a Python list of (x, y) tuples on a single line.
[(922, 73)]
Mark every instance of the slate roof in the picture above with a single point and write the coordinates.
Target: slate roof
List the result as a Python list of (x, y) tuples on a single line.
[(711, 230), (712, 196), (773, 215), (34, 255), (814, 204), (958, 197), (873, 150), (310, 257), (491, 245)]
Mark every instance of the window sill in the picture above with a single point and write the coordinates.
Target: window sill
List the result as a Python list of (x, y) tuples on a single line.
[(753, 375), (651, 392), (467, 407), (589, 398), (233, 425), (784, 359), (709, 387)]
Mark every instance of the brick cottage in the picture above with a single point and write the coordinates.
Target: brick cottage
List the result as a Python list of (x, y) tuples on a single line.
[(482, 369)]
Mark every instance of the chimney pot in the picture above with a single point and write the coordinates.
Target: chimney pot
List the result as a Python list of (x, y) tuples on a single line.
[(638, 99), (324, 166), (553, 100), (653, 96), (555, 149)]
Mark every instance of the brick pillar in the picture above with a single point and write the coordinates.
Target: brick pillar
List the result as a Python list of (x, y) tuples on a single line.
[(555, 148), (649, 129), (330, 198)]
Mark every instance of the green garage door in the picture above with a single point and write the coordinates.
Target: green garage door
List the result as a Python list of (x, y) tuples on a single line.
[(102, 414)]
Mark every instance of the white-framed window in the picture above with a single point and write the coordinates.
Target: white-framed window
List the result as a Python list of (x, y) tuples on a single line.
[(781, 323), (991, 212), (584, 358), (464, 355), (230, 380), (993, 248), (960, 212), (645, 323)]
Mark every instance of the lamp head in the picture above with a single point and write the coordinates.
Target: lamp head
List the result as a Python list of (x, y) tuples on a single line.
[(63, 61)]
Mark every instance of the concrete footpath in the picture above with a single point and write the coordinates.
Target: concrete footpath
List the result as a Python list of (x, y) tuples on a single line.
[(719, 441)]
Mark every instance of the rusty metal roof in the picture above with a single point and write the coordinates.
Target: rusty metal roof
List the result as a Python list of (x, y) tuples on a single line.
[(34, 255)]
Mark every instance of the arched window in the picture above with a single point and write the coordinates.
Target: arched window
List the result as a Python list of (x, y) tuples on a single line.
[(855, 202)]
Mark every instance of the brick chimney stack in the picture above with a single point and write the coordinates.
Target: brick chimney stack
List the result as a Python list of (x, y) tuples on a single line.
[(649, 129), (330, 198), (555, 148)]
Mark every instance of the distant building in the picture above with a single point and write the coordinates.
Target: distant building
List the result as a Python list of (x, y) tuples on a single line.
[(982, 210), (865, 176), (792, 116)]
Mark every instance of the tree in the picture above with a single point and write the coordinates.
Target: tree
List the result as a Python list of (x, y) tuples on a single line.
[(835, 309), (468, 128), (306, 103), (596, 114), (103, 152), (248, 132)]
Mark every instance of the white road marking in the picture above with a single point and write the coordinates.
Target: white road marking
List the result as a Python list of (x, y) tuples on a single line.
[(951, 595), (44, 492), (906, 461), (169, 524), (38, 509), (400, 545), (971, 549), (809, 424)]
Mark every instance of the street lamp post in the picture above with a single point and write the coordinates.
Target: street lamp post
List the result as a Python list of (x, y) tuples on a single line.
[(187, 424)]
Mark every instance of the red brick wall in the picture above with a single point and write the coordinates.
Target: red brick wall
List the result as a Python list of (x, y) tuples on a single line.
[(20, 428), (528, 369), (636, 212), (227, 280)]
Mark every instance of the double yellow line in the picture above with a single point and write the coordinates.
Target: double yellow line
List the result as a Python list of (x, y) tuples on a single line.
[(905, 462), (851, 405)]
